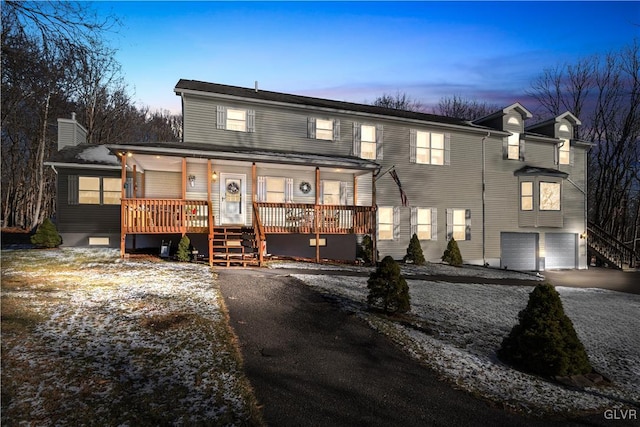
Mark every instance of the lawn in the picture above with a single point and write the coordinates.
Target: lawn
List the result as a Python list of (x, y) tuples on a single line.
[(88, 339)]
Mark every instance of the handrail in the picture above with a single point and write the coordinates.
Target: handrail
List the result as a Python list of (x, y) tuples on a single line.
[(259, 232), (609, 247), (154, 216)]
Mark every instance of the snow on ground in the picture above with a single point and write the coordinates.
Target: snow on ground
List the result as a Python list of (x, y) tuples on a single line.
[(469, 321), (103, 326)]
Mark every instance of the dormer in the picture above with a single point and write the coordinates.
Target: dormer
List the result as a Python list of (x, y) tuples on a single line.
[(562, 127), (509, 119)]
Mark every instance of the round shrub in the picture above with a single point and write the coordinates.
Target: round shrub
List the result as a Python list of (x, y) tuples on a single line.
[(46, 235), (544, 342), (388, 290), (452, 254), (414, 252)]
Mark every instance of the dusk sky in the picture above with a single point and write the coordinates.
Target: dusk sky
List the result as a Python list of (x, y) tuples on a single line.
[(356, 51)]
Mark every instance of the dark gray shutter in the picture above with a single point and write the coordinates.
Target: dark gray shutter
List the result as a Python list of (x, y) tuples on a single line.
[(336, 129), (356, 139), (447, 148), (505, 148), (251, 121), (221, 117), (379, 142), (414, 221), (311, 127), (467, 224), (449, 224), (396, 222), (72, 189), (521, 150), (434, 224), (571, 155), (413, 136)]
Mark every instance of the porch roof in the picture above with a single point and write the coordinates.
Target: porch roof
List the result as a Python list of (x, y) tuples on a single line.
[(211, 151)]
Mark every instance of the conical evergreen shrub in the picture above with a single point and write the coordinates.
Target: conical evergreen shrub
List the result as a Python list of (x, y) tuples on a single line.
[(183, 253), (544, 342), (388, 290), (452, 254), (46, 235), (365, 250), (414, 252)]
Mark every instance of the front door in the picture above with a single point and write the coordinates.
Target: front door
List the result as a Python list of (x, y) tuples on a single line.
[(232, 198)]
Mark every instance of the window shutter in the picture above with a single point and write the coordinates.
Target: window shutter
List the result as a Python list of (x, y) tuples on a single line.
[(412, 146), (505, 148), (251, 120), (130, 186), (521, 150), (262, 189), (72, 189), (221, 117), (379, 141), (414, 221), (449, 224), (434, 224), (571, 155), (396, 222), (311, 127), (343, 193), (336, 129), (467, 224), (288, 190), (356, 139), (447, 148)]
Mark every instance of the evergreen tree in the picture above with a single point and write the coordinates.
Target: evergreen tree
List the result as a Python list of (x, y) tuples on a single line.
[(452, 254), (388, 290), (544, 342), (46, 235), (184, 254), (414, 252), (365, 250)]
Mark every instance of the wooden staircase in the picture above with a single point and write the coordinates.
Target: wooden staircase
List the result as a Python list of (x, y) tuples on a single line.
[(234, 246), (610, 250)]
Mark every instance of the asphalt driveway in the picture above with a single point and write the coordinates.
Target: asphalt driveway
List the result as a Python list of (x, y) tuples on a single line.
[(312, 364)]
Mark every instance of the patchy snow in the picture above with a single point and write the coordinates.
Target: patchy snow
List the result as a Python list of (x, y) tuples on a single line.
[(98, 154), (469, 321), (98, 328)]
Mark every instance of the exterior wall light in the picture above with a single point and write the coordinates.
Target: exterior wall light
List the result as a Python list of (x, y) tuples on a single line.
[(192, 180)]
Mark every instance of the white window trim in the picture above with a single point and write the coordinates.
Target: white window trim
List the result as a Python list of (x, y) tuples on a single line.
[(413, 147), (451, 225), (559, 200), (434, 222), (222, 119)]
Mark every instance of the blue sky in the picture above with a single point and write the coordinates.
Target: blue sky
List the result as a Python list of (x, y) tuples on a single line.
[(356, 51)]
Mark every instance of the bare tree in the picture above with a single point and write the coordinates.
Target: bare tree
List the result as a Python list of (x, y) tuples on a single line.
[(462, 108), (398, 101)]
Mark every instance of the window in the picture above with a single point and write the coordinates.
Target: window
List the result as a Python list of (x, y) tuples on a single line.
[(513, 147), (94, 190), (549, 196), (368, 142), (275, 190), (235, 119), (330, 192), (423, 223), (429, 148), (564, 152), (385, 223), (324, 129), (513, 121), (459, 224), (526, 196)]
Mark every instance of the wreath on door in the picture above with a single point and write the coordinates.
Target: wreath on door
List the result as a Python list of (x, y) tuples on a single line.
[(233, 188)]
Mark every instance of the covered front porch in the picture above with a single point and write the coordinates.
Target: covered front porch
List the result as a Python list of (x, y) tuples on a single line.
[(237, 203)]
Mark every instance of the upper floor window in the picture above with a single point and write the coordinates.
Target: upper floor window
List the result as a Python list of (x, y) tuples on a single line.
[(326, 129), (236, 119), (564, 152), (549, 196), (431, 148), (424, 224), (526, 195), (367, 141), (513, 121), (94, 190), (514, 148), (459, 224)]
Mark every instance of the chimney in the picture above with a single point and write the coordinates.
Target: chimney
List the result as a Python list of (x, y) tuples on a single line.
[(70, 133)]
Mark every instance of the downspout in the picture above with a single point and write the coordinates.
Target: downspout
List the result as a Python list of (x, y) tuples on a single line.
[(484, 257)]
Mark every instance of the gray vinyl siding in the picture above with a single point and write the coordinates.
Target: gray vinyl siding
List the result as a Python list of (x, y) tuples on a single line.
[(163, 185), (81, 218)]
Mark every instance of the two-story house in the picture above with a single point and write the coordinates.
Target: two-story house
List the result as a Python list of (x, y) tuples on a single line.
[(264, 172)]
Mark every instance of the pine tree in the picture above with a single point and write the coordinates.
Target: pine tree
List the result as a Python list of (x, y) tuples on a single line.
[(46, 235), (388, 290), (183, 253), (544, 342), (365, 250), (452, 254), (414, 252)]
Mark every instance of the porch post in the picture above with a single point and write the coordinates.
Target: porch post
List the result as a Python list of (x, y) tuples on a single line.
[(210, 213), (374, 220), (123, 196), (183, 224), (317, 214)]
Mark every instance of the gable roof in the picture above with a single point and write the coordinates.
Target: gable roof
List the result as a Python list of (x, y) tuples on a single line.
[(185, 86)]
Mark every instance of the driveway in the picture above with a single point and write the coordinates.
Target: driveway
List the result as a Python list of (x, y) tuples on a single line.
[(312, 364), (596, 277)]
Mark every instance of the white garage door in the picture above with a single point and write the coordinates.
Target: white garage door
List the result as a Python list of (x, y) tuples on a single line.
[(519, 251), (560, 250)]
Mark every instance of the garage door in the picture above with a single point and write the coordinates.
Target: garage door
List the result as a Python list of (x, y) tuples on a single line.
[(519, 251), (560, 250)]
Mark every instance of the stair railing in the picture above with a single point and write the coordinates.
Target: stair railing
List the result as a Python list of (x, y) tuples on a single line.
[(609, 247)]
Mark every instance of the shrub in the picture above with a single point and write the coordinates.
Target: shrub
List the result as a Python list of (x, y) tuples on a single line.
[(388, 290), (452, 254), (46, 235), (365, 250), (414, 252), (184, 253), (544, 342)]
